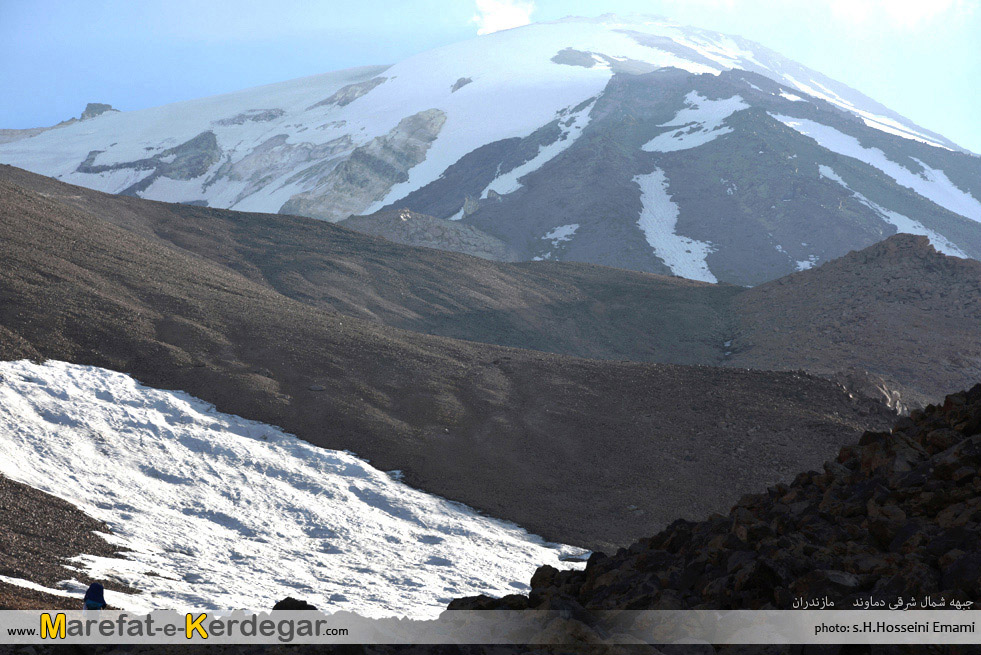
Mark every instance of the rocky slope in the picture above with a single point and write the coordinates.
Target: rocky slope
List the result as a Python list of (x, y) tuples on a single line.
[(707, 177), (897, 321), (898, 309), (586, 311), (412, 229), (625, 141), (40, 535), (896, 514), (628, 446)]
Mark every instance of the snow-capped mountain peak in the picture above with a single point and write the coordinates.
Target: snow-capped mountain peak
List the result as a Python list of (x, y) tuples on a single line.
[(495, 127)]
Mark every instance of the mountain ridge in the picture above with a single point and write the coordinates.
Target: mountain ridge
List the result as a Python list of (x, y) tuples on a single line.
[(592, 311), (536, 135), (922, 298)]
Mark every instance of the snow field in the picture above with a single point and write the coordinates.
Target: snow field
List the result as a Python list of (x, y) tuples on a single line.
[(226, 513), (700, 122)]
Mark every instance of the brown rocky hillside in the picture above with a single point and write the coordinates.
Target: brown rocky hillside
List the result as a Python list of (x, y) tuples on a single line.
[(588, 452), (898, 309), (894, 309)]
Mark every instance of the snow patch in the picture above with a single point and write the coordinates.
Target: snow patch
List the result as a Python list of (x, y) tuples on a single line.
[(806, 264), (561, 233), (658, 220), (700, 122), (221, 512), (27, 584)]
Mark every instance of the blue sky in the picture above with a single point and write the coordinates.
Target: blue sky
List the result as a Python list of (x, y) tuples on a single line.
[(919, 57)]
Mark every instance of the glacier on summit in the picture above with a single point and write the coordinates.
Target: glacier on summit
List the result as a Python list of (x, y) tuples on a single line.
[(499, 132), (515, 88)]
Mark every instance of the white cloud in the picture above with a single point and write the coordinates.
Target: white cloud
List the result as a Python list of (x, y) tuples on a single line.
[(902, 13), (497, 15)]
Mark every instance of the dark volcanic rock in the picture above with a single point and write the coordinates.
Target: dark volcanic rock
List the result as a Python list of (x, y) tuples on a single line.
[(290, 604), (460, 83), (896, 514), (94, 109)]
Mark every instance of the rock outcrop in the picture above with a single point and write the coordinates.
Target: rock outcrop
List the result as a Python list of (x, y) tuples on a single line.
[(371, 170), (252, 116), (348, 94), (276, 157), (94, 109), (186, 161)]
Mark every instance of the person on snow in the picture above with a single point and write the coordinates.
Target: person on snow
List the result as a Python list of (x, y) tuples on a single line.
[(95, 598)]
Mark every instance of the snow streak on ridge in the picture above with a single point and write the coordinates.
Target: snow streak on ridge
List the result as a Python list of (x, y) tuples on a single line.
[(700, 122), (932, 184), (508, 182), (900, 222)]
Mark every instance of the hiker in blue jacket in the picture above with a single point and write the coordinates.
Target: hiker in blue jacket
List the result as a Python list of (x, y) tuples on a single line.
[(95, 598)]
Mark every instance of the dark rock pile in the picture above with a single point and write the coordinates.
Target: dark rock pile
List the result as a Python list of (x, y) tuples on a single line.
[(290, 604), (896, 514)]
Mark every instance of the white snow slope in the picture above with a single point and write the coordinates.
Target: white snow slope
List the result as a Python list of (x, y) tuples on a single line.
[(515, 87), (226, 513)]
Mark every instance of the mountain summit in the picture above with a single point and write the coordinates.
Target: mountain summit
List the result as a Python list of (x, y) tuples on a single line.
[(626, 141)]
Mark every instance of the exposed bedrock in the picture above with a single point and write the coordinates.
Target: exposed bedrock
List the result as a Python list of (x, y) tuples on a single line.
[(371, 171)]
